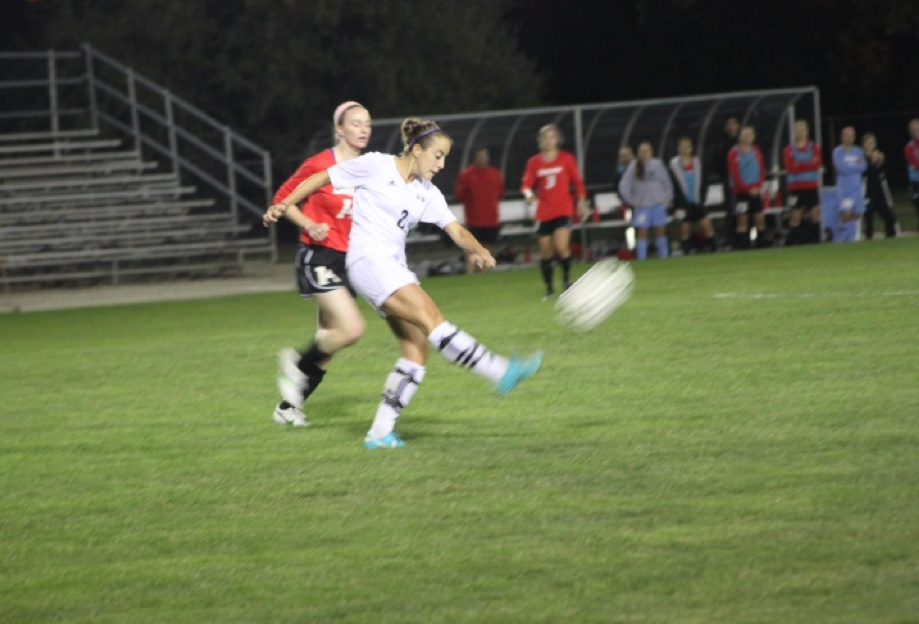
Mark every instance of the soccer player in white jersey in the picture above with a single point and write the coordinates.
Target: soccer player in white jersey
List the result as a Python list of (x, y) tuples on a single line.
[(392, 194)]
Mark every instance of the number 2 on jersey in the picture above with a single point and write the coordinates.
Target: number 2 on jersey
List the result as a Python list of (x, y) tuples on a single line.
[(401, 222), (345, 208)]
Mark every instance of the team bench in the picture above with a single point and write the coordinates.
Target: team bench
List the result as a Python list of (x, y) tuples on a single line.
[(607, 213)]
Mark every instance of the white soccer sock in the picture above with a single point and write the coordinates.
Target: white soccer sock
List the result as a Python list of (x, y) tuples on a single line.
[(401, 386), (461, 348)]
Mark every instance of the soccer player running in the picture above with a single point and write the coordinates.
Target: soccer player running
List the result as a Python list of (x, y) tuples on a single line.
[(320, 266), (747, 174), (803, 161), (911, 153), (480, 187), (646, 187), (392, 194), (688, 195), (850, 163), (548, 177)]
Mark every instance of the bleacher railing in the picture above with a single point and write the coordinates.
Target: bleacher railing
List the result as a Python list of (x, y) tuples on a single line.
[(89, 92)]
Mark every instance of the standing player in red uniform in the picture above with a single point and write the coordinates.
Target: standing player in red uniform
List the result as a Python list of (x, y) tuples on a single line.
[(747, 174), (548, 177), (320, 266), (803, 161), (480, 187)]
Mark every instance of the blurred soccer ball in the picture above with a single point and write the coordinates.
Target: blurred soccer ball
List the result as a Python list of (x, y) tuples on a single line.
[(597, 294)]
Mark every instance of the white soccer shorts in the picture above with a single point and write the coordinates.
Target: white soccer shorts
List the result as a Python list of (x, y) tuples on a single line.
[(376, 278)]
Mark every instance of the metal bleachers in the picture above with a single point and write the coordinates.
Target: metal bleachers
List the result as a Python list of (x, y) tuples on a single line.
[(118, 191), (106, 216)]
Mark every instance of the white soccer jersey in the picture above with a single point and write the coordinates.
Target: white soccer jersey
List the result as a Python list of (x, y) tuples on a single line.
[(385, 208)]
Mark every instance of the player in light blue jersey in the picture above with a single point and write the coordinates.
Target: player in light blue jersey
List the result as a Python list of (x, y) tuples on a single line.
[(689, 199), (850, 163)]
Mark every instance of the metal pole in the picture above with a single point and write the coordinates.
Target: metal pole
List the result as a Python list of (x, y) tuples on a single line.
[(171, 131), (470, 141), (818, 139), (579, 150), (135, 116), (52, 101), (91, 87), (665, 133), (231, 174), (818, 122), (269, 196)]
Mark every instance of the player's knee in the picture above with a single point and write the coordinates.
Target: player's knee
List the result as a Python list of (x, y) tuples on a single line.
[(353, 331)]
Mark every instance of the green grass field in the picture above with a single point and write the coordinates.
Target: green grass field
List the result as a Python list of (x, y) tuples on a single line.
[(739, 443)]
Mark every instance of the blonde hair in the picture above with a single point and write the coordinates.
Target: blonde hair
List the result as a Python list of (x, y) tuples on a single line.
[(552, 126)]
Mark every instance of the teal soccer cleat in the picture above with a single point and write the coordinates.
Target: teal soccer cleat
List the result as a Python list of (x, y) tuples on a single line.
[(390, 440), (517, 370)]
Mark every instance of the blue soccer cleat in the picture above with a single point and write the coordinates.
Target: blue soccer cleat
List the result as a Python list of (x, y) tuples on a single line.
[(517, 370), (390, 440)]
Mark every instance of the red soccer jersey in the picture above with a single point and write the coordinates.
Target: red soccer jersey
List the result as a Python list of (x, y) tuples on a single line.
[(325, 205), (552, 182), (738, 168), (803, 166), (911, 152), (480, 189)]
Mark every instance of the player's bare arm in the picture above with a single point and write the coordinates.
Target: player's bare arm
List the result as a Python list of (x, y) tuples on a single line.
[(528, 195), (304, 190), (583, 211), (468, 243), (317, 231)]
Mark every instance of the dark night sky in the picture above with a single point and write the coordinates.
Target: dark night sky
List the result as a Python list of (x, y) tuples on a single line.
[(607, 50), (592, 51)]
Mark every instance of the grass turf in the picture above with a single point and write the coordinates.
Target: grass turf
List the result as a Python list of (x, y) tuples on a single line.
[(736, 444)]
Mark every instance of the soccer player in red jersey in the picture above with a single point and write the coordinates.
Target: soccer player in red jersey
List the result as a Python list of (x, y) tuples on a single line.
[(747, 174), (803, 161), (480, 187), (548, 177), (320, 266)]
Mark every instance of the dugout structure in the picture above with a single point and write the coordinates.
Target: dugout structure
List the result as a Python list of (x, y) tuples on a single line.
[(595, 132)]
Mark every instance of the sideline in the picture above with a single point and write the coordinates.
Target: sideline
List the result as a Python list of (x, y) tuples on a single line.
[(829, 295), (257, 277)]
